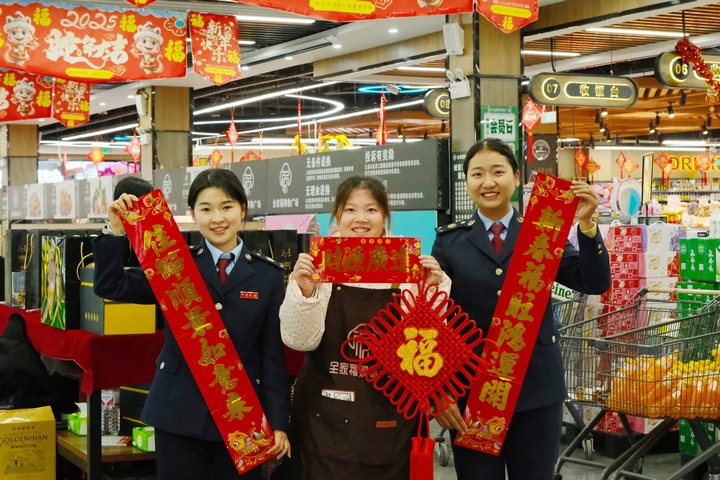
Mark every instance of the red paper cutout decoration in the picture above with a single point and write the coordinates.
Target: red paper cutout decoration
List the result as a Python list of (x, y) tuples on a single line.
[(532, 113), (418, 352), (592, 167), (620, 160), (581, 160), (232, 135), (96, 155), (133, 148), (382, 133), (690, 53), (703, 164), (140, 3)]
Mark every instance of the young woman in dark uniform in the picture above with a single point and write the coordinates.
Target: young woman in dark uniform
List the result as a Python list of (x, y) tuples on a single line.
[(342, 428), (188, 443), (467, 252)]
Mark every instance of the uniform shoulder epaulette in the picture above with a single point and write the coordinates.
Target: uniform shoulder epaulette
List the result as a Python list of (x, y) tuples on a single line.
[(455, 226), (195, 250), (267, 259)]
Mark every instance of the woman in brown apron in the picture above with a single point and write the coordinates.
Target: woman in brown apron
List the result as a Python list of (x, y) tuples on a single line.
[(342, 428)]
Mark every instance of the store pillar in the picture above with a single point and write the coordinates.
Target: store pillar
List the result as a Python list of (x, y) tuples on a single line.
[(20, 154), (168, 117)]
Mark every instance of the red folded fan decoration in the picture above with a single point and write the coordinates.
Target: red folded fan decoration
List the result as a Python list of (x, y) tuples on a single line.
[(420, 349)]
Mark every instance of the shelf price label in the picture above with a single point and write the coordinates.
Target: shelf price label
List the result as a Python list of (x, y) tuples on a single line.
[(672, 72), (558, 89)]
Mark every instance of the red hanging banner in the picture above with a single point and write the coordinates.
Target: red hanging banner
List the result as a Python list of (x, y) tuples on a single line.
[(215, 47), (191, 315), (366, 260), (93, 44), (509, 15), (71, 102), (24, 96), (354, 10), (140, 3), (519, 313)]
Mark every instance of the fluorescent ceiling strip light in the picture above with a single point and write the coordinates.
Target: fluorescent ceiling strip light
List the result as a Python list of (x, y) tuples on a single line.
[(261, 97), (207, 133), (547, 53), (686, 143), (337, 106), (422, 69), (255, 18), (339, 117), (630, 31), (85, 144), (208, 149), (240, 42), (100, 132)]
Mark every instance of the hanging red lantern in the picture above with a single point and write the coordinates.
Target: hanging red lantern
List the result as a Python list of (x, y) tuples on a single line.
[(96, 155), (133, 148)]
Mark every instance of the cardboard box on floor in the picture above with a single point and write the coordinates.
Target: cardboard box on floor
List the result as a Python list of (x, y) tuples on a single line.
[(27, 444)]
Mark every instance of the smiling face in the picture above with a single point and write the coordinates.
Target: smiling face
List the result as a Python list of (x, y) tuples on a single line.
[(24, 94), (491, 183), (361, 216), (148, 45), (19, 35), (219, 218)]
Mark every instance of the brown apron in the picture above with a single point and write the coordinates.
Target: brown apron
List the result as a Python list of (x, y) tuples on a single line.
[(336, 439)]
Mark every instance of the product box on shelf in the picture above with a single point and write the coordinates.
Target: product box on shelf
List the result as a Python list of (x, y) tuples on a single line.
[(77, 423), (687, 442), (567, 417), (621, 291), (662, 237), (669, 282), (625, 264), (22, 280), (106, 317), (646, 425), (659, 264), (61, 257), (622, 238), (27, 450), (697, 259), (144, 438)]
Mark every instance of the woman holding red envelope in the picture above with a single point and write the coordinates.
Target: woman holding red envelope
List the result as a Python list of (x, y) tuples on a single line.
[(476, 254), (342, 428)]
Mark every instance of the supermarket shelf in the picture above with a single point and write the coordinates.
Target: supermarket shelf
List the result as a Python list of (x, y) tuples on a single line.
[(74, 448)]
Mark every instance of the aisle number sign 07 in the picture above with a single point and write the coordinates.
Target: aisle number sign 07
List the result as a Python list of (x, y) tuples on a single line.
[(671, 71), (559, 89)]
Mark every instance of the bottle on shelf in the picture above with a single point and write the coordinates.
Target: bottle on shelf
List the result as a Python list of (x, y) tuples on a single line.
[(110, 405)]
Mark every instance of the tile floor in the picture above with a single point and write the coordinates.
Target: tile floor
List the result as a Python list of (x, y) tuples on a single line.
[(658, 466)]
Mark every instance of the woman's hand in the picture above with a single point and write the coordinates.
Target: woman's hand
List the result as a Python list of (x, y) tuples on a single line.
[(302, 274), (451, 419), (118, 208), (434, 273), (589, 200), (282, 445)]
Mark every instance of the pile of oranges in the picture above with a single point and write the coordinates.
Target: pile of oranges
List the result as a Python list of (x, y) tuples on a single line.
[(667, 387)]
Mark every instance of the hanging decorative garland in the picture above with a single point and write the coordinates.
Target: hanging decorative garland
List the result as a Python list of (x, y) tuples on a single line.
[(690, 53)]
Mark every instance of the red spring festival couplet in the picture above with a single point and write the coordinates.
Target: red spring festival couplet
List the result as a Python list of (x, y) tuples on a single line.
[(191, 315), (215, 47), (353, 10), (71, 102), (509, 15), (519, 313), (365, 260), (419, 349), (93, 44), (24, 96)]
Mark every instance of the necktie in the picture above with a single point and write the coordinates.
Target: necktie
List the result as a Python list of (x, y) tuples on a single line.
[(222, 264), (497, 241)]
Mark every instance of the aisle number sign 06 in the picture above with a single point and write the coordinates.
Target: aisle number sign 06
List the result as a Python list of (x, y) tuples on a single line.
[(558, 89), (671, 71)]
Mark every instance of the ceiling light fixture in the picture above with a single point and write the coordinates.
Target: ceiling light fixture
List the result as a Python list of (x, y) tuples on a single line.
[(547, 53), (608, 136), (423, 69), (637, 141), (685, 143), (399, 132), (683, 97), (630, 31), (597, 116), (337, 107), (602, 126), (265, 96), (337, 46), (592, 141), (603, 112), (652, 127), (102, 104), (657, 119), (245, 67), (709, 120), (289, 57), (100, 132), (393, 30), (443, 127), (261, 19), (705, 129), (131, 96), (671, 111)]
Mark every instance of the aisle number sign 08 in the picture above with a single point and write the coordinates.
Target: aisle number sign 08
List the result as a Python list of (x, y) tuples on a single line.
[(671, 71), (569, 90)]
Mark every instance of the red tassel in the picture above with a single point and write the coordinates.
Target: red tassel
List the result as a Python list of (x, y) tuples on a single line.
[(530, 142), (421, 459), (415, 457)]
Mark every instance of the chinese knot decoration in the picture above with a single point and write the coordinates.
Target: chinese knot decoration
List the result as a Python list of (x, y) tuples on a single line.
[(703, 163), (690, 53), (133, 148), (232, 135), (420, 349), (620, 160), (382, 133), (530, 118), (630, 166), (663, 161), (581, 160), (592, 167), (215, 156), (96, 155)]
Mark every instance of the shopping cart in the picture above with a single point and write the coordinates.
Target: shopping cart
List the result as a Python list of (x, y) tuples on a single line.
[(647, 359)]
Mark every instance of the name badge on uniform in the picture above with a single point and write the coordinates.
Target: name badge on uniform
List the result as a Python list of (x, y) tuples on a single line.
[(249, 295), (344, 395)]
